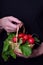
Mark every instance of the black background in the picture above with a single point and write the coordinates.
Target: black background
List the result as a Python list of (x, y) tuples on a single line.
[(31, 13)]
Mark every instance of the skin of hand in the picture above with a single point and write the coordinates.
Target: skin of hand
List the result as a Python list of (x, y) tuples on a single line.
[(36, 52), (6, 23)]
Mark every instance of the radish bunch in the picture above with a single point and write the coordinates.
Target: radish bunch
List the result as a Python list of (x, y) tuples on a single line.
[(24, 37)]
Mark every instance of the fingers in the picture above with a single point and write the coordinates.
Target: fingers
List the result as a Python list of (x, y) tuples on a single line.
[(10, 27), (20, 54), (41, 44), (37, 52), (10, 30), (11, 18), (7, 24), (34, 54), (13, 26)]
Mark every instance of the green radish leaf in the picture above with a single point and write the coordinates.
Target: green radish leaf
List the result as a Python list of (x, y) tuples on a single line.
[(6, 42), (36, 39), (5, 56), (12, 54), (11, 35), (6, 45), (26, 43), (20, 41), (7, 49), (26, 50)]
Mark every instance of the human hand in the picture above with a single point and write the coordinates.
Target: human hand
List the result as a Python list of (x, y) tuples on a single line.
[(35, 53), (38, 51), (6, 23)]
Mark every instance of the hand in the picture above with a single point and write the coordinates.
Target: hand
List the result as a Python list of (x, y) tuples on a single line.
[(6, 23), (38, 51), (35, 53)]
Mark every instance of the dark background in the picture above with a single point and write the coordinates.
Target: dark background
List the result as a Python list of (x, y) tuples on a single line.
[(31, 13)]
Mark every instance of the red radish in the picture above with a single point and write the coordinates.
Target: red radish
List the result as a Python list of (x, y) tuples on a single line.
[(14, 39), (21, 35), (31, 40), (29, 36), (25, 37)]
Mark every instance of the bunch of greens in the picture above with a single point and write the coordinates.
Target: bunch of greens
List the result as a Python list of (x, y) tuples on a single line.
[(8, 51)]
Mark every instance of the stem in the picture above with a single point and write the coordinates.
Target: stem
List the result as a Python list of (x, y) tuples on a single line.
[(35, 34), (23, 29), (17, 34)]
